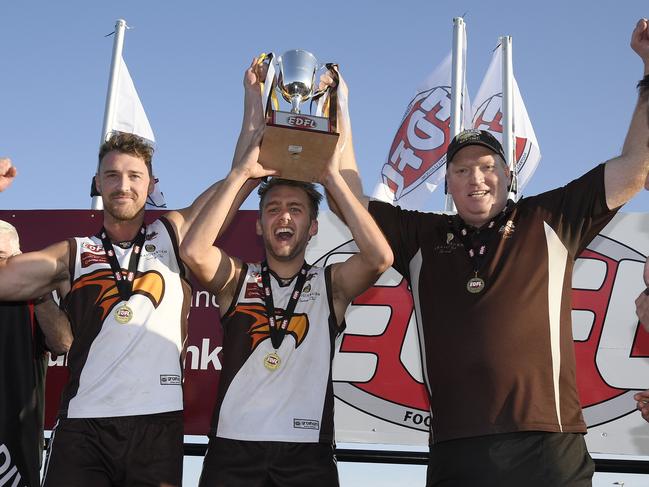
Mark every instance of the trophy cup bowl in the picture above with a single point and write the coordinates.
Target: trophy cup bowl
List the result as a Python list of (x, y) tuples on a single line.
[(297, 69)]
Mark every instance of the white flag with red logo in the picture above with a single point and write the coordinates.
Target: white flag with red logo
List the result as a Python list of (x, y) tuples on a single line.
[(416, 163), (129, 117), (487, 115)]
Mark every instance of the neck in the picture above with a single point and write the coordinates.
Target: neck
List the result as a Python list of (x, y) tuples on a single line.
[(285, 269), (122, 230)]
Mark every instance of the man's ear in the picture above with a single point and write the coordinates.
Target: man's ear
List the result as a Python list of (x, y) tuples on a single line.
[(151, 186), (313, 228), (258, 227), (97, 184), (513, 181)]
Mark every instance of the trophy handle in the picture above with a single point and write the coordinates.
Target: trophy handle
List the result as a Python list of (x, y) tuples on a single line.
[(332, 102)]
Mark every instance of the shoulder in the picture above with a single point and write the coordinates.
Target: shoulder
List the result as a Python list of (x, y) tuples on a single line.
[(385, 213), (172, 221)]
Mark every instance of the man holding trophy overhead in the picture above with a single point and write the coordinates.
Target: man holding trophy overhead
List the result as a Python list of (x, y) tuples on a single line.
[(273, 419)]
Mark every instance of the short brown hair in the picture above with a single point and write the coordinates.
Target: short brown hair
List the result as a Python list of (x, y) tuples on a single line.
[(313, 195), (130, 144)]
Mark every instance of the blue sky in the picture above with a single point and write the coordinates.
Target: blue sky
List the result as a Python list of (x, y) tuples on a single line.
[(571, 59), (572, 62)]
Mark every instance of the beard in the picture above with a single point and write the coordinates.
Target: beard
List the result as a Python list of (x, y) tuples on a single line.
[(122, 212)]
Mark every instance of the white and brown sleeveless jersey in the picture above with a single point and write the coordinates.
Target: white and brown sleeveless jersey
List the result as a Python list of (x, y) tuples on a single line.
[(126, 356), (293, 402)]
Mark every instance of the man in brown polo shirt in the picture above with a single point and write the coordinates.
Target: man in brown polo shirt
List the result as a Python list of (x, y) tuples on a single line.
[(492, 293)]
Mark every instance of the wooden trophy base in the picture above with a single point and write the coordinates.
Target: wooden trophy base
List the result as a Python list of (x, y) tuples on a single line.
[(295, 153)]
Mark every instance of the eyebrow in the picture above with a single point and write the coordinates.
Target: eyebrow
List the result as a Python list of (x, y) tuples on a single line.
[(130, 171), (289, 203)]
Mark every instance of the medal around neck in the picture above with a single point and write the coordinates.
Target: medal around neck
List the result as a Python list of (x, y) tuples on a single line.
[(272, 361), (123, 314), (475, 285)]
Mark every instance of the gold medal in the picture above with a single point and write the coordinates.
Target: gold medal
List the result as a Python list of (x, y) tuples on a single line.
[(272, 361), (123, 314), (475, 285)]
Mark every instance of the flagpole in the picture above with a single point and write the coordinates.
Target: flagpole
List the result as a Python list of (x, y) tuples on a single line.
[(458, 76), (508, 105), (118, 45)]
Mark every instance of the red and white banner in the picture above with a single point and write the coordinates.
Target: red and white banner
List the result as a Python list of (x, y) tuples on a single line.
[(416, 163), (377, 376), (487, 115)]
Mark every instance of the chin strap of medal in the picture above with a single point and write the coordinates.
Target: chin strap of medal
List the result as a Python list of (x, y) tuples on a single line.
[(124, 283), (277, 333)]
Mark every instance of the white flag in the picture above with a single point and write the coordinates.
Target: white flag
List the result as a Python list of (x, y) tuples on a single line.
[(129, 113), (487, 115), (129, 117), (416, 163)]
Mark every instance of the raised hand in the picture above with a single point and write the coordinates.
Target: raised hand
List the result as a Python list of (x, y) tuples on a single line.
[(7, 173), (642, 404), (255, 74), (331, 79), (248, 163), (640, 42)]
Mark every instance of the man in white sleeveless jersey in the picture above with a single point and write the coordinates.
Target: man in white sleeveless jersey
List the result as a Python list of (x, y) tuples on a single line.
[(125, 291), (273, 419)]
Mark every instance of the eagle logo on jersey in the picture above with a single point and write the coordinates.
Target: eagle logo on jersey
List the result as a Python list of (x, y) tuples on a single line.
[(150, 284), (298, 325)]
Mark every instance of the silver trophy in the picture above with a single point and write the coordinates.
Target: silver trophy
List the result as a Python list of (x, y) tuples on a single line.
[(297, 145), (296, 79)]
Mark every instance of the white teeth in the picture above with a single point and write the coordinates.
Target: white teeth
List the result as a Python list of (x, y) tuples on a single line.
[(478, 193), (283, 230)]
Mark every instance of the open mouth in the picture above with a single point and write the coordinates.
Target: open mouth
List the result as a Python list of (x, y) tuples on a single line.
[(478, 194), (283, 234)]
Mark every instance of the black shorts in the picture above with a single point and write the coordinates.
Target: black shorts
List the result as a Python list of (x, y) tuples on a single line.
[(124, 451), (528, 458), (236, 463)]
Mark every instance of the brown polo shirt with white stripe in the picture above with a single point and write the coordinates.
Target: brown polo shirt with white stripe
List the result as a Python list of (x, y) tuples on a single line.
[(500, 360)]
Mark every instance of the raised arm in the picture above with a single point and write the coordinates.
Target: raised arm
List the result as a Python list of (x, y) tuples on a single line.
[(253, 120), (360, 271), (627, 174), (348, 167), (217, 271), (31, 275)]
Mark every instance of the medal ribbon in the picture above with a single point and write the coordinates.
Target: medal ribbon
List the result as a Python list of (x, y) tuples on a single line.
[(277, 333), (476, 246), (124, 284)]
